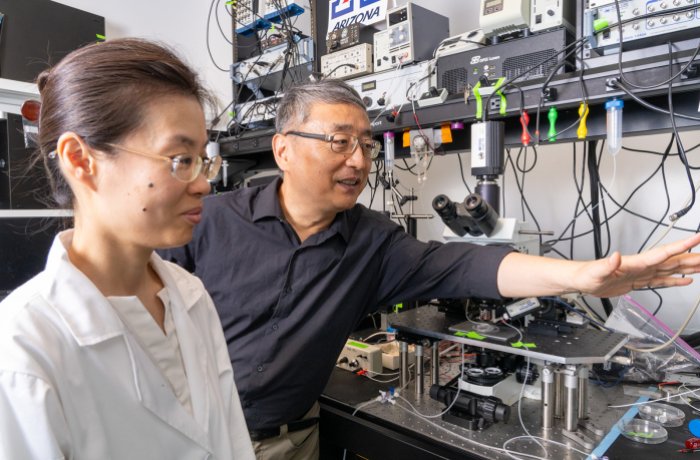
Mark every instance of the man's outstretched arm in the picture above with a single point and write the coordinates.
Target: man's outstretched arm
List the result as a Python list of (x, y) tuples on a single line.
[(521, 275)]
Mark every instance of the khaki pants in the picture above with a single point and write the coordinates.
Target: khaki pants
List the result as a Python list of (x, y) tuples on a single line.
[(297, 445)]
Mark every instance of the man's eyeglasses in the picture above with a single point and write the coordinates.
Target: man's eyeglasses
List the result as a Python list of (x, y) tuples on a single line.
[(344, 143), (183, 167)]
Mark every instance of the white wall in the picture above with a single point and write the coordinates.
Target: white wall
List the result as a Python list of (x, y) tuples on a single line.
[(182, 24), (549, 187)]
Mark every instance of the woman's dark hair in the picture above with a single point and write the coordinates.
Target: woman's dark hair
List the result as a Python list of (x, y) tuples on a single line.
[(101, 91)]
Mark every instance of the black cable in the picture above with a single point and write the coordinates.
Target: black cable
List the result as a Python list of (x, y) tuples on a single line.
[(621, 208), (524, 200), (603, 206), (218, 23), (211, 56), (352, 66), (584, 94), (618, 84), (584, 99), (522, 179), (668, 201), (407, 168), (461, 171), (679, 144), (661, 301), (595, 200), (524, 169), (579, 200), (378, 166), (656, 85)]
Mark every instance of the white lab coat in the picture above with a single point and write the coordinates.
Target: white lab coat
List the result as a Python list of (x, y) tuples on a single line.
[(76, 384)]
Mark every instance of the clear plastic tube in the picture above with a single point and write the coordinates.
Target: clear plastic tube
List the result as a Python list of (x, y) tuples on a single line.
[(613, 120), (389, 149)]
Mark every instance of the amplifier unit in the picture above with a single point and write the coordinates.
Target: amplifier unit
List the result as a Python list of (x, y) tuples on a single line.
[(357, 356), (246, 16), (681, 22), (461, 71), (550, 14), (384, 89), (352, 35), (348, 63), (267, 71), (414, 32)]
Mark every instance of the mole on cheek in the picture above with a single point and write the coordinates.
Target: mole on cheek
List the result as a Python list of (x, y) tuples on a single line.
[(144, 210), (150, 185)]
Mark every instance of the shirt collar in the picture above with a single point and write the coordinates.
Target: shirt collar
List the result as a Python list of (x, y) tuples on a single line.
[(267, 205), (85, 310), (87, 313)]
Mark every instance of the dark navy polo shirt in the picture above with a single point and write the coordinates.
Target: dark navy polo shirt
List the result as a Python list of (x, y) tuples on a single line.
[(287, 307)]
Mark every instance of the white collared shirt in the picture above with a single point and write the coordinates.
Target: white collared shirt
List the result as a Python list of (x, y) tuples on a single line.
[(76, 383), (162, 347)]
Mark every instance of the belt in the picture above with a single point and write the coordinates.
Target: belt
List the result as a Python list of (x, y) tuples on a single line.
[(265, 433)]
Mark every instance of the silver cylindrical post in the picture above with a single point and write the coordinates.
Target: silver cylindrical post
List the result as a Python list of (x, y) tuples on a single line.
[(558, 394), (419, 371), (548, 391), (403, 365), (571, 385), (435, 360), (583, 393)]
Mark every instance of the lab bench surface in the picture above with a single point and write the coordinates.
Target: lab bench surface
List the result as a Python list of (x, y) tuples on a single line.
[(394, 431)]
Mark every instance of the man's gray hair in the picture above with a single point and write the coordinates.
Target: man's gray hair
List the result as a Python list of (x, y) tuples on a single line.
[(297, 101)]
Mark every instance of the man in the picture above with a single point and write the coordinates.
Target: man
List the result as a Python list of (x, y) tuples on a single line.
[(294, 265)]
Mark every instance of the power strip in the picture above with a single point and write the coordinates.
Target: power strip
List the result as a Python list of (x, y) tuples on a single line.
[(348, 63), (357, 356)]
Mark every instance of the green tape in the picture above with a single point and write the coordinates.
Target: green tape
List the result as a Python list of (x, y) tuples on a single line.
[(599, 24), (497, 89), (523, 345), (357, 344), (470, 335), (479, 102)]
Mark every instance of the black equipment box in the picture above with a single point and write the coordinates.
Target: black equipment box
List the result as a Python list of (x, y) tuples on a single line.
[(461, 71), (22, 186), (352, 35), (35, 34)]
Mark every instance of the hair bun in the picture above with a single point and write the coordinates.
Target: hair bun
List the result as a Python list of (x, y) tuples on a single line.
[(42, 79)]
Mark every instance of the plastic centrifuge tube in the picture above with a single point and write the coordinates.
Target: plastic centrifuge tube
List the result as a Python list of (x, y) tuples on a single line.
[(614, 125)]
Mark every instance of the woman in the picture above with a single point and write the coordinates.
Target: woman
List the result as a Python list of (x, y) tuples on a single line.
[(111, 352)]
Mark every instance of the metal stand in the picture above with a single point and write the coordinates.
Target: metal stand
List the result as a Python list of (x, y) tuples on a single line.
[(548, 394), (583, 420), (404, 375), (419, 371), (435, 364), (573, 396)]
